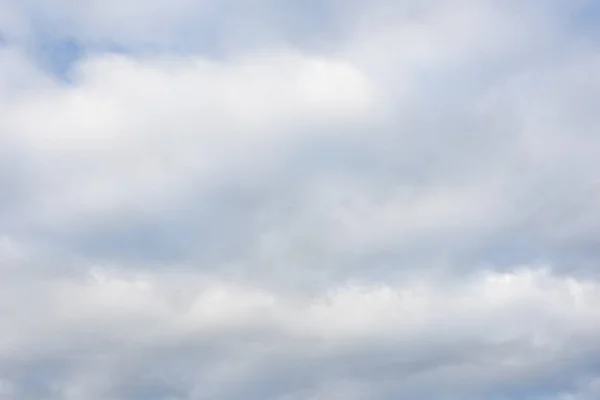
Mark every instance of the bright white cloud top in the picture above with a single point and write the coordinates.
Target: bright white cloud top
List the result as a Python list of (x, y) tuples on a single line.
[(328, 200)]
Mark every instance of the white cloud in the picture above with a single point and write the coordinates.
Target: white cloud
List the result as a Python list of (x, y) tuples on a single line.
[(149, 128), (405, 210), (526, 322)]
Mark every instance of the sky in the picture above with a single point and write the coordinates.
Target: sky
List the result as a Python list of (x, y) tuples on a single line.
[(316, 200)]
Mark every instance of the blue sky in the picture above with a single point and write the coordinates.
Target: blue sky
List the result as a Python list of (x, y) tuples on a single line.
[(297, 201)]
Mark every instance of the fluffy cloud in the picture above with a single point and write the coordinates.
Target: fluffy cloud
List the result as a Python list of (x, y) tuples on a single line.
[(180, 335), (327, 202)]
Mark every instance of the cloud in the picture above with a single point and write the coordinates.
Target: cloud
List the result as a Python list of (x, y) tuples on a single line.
[(173, 333), (388, 201), (153, 123)]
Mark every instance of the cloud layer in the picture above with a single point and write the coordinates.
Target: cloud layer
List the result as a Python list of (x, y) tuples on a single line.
[(206, 200)]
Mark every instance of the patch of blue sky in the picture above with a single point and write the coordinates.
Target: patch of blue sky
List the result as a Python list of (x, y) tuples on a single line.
[(584, 21), (57, 56), (58, 47)]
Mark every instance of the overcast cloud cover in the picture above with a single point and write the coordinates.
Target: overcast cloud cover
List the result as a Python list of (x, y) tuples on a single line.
[(299, 200)]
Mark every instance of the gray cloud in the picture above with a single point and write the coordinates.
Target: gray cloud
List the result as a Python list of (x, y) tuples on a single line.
[(350, 202)]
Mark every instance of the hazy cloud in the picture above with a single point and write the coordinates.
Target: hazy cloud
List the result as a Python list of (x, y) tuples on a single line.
[(207, 200)]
